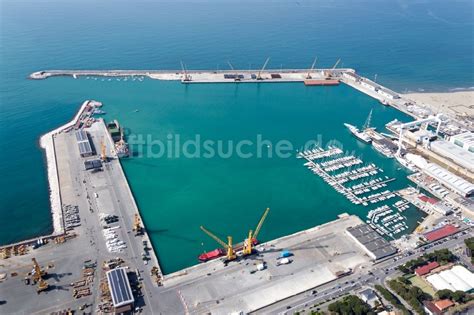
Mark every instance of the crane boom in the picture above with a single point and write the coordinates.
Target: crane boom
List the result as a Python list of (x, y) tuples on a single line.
[(308, 76), (335, 65), (214, 237), (185, 72), (263, 68), (260, 223)]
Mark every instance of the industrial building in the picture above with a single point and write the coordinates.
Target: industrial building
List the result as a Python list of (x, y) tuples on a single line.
[(464, 140), (83, 142), (369, 85), (351, 76), (93, 165), (371, 242), (454, 152), (120, 290), (441, 232), (449, 180), (454, 279), (388, 93)]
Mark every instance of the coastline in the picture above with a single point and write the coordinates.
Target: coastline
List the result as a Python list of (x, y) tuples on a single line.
[(47, 144), (455, 103)]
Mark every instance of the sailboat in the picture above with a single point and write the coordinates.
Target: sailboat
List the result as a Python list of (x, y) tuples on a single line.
[(361, 135)]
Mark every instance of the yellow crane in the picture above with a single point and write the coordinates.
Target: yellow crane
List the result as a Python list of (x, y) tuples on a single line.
[(38, 277), (252, 236), (103, 155), (137, 227), (229, 247)]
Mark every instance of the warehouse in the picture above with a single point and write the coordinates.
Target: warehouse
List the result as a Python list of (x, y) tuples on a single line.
[(449, 180), (369, 240), (85, 148), (120, 290), (441, 232), (388, 93), (454, 279), (454, 152), (464, 140)]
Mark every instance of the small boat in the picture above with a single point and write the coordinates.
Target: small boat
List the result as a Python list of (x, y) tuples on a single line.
[(98, 112)]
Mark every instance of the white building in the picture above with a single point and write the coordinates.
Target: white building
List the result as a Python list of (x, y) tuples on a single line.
[(351, 76), (464, 140), (388, 93), (449, 180), (454, 279), (369, 85), (455, 153)]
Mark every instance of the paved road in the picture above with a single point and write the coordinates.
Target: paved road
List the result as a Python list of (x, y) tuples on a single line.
[(353, 283)]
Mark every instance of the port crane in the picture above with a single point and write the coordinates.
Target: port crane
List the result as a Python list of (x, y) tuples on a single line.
[(230, 255), (103, 155), (368, 121), (137, 227), (186, 77), (252, 236), (330, 72), (259, 75), (38, 277), (308, 76), (236, 74)]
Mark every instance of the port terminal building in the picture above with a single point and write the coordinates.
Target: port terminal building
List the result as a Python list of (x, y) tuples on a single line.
[(371, 242)]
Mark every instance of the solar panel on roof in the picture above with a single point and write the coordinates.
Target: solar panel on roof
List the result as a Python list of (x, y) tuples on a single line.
[(119, 287)]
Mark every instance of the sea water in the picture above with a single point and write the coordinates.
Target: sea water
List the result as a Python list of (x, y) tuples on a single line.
[(420, 46)]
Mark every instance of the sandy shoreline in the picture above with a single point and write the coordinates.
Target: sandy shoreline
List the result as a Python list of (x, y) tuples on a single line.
[(455, 104)]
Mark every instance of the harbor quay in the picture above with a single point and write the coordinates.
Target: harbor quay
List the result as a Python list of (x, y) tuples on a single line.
[(309, 77), (99, 233)]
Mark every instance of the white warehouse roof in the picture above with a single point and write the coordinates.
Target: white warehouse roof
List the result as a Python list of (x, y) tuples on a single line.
[(466, 139), (456, 278), (450, 180), (453, 152)]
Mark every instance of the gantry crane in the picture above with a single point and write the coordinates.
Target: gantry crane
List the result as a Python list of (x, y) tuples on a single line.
[(229, 247), (38, 277), (137, 227), (252, 236), (259, 75)]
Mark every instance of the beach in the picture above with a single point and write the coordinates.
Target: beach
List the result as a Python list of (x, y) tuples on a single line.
[(452, 103)]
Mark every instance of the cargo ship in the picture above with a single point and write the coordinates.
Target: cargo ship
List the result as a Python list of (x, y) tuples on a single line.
[(220, 252), (116, 132), (216, 253), (311, 82)]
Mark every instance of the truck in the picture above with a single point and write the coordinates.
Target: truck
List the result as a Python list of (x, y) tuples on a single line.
[(284, 261)]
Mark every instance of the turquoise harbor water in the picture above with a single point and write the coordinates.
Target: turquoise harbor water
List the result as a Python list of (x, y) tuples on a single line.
[(426, 45)]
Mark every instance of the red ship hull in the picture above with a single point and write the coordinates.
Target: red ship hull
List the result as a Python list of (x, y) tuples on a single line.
[(219, 252)]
